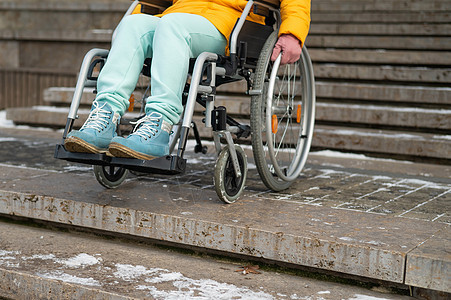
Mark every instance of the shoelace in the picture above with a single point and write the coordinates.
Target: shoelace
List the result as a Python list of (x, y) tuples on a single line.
[(98, 118), (147, 126)]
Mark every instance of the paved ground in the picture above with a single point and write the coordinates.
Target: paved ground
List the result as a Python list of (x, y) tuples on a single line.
[(351, 182), (379, 219), (42, 260)]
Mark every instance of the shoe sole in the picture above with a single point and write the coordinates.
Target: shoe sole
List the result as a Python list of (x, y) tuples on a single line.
[(119, 150), (75, 144)]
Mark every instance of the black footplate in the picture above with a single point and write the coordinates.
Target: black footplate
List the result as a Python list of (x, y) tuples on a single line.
[(170, 164)]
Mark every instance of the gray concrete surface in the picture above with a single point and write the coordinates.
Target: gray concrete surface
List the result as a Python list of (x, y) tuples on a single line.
[(379, 219), (43, 263), (394, 142)]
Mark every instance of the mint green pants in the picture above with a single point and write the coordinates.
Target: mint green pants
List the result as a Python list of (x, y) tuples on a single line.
[(170, 41)]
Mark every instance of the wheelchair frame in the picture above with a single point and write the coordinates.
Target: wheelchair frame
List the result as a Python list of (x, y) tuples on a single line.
[(232, 161)]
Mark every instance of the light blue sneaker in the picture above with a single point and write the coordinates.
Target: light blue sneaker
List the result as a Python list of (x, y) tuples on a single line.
[(149, 139), (96, 133)]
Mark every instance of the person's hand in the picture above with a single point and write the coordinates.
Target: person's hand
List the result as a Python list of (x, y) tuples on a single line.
[(290, 47)]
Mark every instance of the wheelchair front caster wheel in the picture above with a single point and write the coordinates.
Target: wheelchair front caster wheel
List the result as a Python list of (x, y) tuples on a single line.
[(227, 186), (110, 176), (200, 149)]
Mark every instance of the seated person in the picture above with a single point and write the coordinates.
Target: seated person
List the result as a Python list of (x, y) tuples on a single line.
[(183, 31)]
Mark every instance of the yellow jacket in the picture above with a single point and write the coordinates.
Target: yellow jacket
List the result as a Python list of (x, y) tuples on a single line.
[(224, 13)]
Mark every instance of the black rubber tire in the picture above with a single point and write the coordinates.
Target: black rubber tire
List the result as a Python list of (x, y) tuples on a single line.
[(227, 186), (110, 176), (258, 119)]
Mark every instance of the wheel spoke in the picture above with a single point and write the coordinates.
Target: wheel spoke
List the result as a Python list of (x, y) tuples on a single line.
[(281, 154)]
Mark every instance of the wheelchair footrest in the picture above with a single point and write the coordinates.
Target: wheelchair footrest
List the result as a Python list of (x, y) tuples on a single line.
[(170, 164)]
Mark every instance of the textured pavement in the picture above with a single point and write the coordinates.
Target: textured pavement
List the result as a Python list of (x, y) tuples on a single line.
[(374, 218), (42, 263)]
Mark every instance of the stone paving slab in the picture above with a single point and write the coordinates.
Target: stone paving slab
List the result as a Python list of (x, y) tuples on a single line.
[(429, 145), (312, 236), (339, 216), (344, 113), (430, 264), (41, 263)]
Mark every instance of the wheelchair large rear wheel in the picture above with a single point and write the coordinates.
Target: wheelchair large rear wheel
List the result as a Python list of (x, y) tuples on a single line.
[(282, 117)]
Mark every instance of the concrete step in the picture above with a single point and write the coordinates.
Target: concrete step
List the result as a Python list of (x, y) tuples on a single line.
[(101, 267), (64, 17), (384, 57), (23, 9), (407, 117), (378, 219), (336, 112), (318, 36), (64, 50), (383, 5), (387, 142), (82, 30), (29, 40), (94, 35), (45, 116), (377, 41), (366, 48), (384, 92), (384, 73), (318, 5), (386, 17), (63, 95), (398, 29)]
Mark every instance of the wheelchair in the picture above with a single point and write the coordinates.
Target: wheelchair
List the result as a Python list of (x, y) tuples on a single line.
[(282, 110)]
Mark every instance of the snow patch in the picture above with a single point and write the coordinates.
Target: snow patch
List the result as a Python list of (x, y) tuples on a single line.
[(40, 256), (81, 260), (102, 31), (7, 139), (203, 289), (10, 124), (388, 108), (365, 297), (337, 154), (5, 253), (59, 275), (77, 168), (373, 134), (3, 121), (185, 287), (442, 137), (58, 109), (323, 292), (129, 272)]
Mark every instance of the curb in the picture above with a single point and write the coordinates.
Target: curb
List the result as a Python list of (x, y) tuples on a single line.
[(369, 254)]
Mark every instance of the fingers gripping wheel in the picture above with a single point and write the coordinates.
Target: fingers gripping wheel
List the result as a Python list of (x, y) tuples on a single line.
[(228, 186), (110, 176)]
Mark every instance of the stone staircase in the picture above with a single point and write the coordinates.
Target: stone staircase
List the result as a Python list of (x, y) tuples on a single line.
[(383, 79), (42, 43), (383, 76)]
